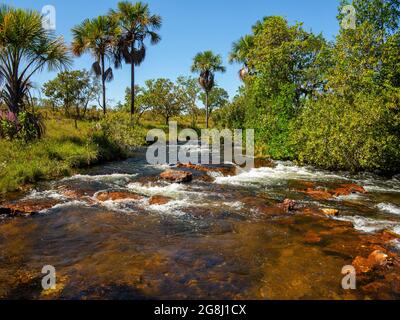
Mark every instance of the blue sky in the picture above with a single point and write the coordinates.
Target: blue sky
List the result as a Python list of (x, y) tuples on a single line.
[(189, 26)]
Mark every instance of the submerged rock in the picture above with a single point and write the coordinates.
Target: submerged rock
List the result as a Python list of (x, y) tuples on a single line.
[(159, 200), (114, 196), (312, 237), (177, 176)]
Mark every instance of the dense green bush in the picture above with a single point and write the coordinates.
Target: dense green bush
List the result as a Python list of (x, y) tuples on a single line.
[(363, 135)]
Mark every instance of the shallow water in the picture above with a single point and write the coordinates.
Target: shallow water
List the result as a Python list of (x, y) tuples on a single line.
[(214, 240)]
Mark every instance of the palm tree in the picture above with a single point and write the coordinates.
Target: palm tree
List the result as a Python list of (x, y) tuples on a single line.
[(25, 49), (137, 24), (98, 36), (206, 63), (240, 53)]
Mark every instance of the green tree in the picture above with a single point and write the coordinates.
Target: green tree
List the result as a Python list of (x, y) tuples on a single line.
[(287, 67), (73, 90), (137, 24), (217, 98), (355, 123), (25, 49), (240, 54), (99, 37), (162, 96), (189, 91), (141, 106), (207, 64)]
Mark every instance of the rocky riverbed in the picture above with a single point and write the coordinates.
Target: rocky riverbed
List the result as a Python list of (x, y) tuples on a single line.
[(130, 230)]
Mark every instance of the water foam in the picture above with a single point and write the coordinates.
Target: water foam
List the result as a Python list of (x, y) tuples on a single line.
[(103, 178), (389, 208), (270, 176), (50, 194), (369, 225)]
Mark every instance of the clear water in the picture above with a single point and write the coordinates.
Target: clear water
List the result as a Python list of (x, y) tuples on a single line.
[(213, 241)]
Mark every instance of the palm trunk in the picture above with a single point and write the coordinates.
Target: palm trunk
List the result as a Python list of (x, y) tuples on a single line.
[(132, 81), (206, 109), (104, 84), (132, 90)]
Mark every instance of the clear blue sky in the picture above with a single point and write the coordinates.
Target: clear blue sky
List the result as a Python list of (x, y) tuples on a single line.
[(189, 26)]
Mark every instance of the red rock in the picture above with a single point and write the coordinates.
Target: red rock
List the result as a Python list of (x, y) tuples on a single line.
[(177, 176), (378, 258), (331, 212), (288, 205), (263, 163), (375, 259), (27, 207), (361, 265), (347, 189), (343, 190), (114, 196), (318, 194), (159, 200), (225, 169), (312, 237)]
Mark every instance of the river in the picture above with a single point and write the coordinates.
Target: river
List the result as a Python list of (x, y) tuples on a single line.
[(219, 237)]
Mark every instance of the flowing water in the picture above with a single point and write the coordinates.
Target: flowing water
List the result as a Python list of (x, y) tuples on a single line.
[(218, 238)]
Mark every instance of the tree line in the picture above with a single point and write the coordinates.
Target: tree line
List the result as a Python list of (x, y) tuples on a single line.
[(331, 104)]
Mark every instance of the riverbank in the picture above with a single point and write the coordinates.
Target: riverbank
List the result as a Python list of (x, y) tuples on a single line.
[(62, 151)]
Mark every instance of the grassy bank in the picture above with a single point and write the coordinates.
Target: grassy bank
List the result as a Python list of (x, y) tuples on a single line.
[(64, 149)]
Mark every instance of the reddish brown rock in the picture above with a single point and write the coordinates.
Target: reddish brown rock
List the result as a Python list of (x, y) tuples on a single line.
[(378, 258), (177, 176), (27, 207), (331, 212), (263, 163), (318, 194), (159, 200), (288, 205), (347, 189), (342, 190), (225, 169), (374, 260), (115, 196), (312, 237)]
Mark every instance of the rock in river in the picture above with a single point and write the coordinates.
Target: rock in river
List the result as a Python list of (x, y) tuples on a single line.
[(177, 176), (114, 196), (27, 207), (159, 200)]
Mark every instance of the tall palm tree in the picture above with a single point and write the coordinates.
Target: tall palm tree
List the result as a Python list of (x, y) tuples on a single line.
[(240, 54), (137, 24), (98, 36), (206, 63), (25, 49)]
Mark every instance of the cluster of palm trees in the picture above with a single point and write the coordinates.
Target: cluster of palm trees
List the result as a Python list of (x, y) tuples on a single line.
[(115, 38), (26, 47)]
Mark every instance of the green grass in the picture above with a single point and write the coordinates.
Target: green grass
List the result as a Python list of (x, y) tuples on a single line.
[(64, 149), (59, 153)]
